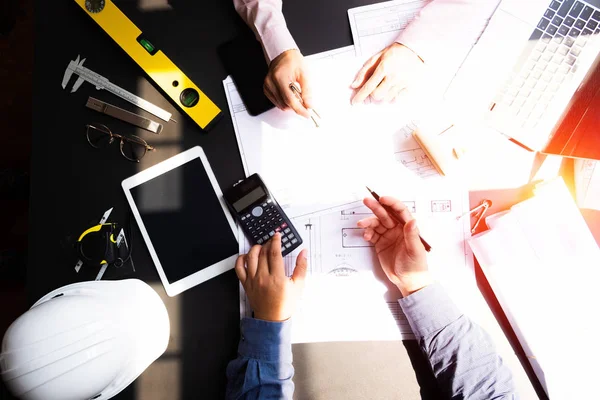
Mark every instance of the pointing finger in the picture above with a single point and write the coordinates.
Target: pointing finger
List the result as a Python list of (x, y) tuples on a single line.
[(274, 256), (397, 206), (263, 259), (380, 213)]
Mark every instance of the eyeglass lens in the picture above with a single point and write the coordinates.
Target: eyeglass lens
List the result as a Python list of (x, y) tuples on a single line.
[(133, 148), (99, 136)]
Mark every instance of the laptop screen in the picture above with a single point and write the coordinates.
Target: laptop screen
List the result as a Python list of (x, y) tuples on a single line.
[(578, 132)]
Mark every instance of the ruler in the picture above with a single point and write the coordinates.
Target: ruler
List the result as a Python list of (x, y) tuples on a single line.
[(124, 115), (100, 82), (182, 91)]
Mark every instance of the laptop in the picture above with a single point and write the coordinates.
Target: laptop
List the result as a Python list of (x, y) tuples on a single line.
[(542, 89)]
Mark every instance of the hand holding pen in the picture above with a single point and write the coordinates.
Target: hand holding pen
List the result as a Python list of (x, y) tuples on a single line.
[(314, 115), (399, 247), (289, 67), (400, 215)]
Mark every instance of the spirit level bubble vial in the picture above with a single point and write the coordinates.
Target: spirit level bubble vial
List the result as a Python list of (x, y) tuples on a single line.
[(153, 61)]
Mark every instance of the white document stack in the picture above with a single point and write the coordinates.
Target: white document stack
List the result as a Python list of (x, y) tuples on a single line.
[(544, 267)]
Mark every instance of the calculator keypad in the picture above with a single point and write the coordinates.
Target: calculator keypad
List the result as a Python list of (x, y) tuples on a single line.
[(264, 221)]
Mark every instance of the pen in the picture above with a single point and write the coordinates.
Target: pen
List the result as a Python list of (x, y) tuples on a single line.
[(396, 217), (298, 95)]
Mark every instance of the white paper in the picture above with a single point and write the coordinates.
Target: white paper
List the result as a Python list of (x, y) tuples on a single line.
[(542, 263), (319, 174), (347, 296), (341, 265), (376, 26), (310, 169)]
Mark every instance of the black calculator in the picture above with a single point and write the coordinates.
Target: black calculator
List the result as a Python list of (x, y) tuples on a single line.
[(260, 215)]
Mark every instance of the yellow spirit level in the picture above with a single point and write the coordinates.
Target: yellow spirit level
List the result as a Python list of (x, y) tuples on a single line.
[(152, 60)]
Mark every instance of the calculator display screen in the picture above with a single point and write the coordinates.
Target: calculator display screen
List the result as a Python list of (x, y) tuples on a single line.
[(248, 199)]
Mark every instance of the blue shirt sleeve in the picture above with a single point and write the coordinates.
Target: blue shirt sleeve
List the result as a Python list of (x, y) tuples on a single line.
[(263, 368), (461, 354)]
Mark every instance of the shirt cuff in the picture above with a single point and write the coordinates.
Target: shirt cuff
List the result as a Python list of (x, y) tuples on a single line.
[(266, 341), (429, 310), (276, 40), (423, 44)]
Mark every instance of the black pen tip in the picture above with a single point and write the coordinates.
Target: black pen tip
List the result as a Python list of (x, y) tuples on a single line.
[(370, 191)]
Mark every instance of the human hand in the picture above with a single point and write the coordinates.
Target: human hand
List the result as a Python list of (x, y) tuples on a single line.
[(272, 294), (401, 254), (289, 67), (387, 73)]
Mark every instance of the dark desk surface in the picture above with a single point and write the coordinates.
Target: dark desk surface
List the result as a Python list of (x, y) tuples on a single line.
[(73, 184)]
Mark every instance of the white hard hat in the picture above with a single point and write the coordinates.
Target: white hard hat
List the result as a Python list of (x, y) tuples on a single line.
[(88, 340)]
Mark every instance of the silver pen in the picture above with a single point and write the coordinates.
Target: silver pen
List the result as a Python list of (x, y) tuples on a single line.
[(298, 93)]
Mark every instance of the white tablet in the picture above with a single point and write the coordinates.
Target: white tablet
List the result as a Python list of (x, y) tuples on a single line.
[(184, 220)]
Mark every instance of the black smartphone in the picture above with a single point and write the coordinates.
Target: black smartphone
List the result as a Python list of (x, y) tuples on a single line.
[(244, 60), (259, 214)]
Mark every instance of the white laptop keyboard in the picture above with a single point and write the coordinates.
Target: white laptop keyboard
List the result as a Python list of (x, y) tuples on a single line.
[(561, 35)]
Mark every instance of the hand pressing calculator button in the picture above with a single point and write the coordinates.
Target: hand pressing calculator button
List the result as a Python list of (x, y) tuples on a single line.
[(259, 214)]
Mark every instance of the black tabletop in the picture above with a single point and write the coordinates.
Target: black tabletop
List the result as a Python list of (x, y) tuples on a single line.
[(73, 184)]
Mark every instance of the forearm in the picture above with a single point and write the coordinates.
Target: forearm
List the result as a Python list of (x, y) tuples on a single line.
[(461, 354), (445, 30), (266, 20), (263, 368)]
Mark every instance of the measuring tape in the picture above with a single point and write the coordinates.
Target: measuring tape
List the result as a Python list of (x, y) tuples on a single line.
[(153, 61)]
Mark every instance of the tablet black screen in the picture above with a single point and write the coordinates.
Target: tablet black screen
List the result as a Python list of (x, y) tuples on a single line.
[(185, 220)]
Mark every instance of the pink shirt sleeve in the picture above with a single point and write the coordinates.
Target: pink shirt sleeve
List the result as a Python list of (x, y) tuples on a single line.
[(447, 28), (266, 20)]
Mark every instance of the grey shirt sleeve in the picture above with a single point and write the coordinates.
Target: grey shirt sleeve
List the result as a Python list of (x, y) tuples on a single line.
[(461, 354)]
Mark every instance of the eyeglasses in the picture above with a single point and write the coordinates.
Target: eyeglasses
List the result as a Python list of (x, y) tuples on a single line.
[(133, 148)]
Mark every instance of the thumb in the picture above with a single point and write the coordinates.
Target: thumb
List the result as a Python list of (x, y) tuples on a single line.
[(306, 90), (299, 274), (412, 240)]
